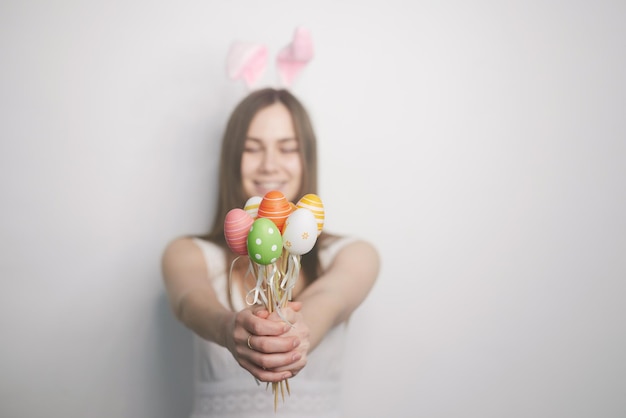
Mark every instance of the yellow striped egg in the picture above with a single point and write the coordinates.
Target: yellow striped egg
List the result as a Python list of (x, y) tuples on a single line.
[(313, 203), (252, 206)]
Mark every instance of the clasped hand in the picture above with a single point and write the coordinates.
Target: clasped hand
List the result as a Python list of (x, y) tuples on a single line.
[(270, 349)]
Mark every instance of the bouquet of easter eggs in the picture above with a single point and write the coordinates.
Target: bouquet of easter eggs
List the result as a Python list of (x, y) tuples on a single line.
[(274, 233)]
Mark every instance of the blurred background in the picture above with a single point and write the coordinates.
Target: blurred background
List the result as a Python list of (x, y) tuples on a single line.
[(481, 146)]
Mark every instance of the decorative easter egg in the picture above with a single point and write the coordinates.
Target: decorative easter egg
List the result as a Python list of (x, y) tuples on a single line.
[(276, 207), (313, 203), (252, 206), (265, 244), (236, 226), (300, 232)]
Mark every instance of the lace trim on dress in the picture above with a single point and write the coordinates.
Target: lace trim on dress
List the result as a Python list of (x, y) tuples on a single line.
[(315, 399)]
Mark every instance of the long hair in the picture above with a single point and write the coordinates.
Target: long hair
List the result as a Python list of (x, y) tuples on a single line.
[(230, 187)]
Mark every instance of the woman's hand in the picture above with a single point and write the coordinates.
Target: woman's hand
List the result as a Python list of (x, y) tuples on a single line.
[(265, 345), (298, 330)]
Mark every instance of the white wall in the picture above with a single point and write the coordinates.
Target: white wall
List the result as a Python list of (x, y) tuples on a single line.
[(480, 145)]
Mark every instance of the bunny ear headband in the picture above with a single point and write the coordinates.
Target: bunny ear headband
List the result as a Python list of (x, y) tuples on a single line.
[(247, 61)]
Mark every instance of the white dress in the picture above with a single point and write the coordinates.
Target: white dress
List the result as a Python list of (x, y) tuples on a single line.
[(223, 389)]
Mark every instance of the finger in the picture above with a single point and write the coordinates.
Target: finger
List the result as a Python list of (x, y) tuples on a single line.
[(285, 314), (295, 305), (272, 345), (265, 375), (293, 368), (261, 326), (259, 310), (262, 313), (274, 362)]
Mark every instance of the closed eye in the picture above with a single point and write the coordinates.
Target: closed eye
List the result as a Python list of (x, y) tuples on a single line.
[(252, 145), (289, 145)]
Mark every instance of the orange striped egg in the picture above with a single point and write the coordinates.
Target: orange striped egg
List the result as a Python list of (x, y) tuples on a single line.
[(313, 203), (276, 207), (236, 228), (252, 206)]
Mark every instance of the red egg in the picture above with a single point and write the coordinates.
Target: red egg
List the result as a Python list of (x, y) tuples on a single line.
[(236, 227), (276, 207)]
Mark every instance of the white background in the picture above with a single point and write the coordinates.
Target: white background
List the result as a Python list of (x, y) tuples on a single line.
[(481, 145)]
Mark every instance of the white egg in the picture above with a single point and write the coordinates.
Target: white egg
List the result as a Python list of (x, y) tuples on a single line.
[(300, 232)]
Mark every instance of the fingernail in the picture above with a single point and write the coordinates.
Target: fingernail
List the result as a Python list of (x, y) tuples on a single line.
[(296, 343), (296, 357)]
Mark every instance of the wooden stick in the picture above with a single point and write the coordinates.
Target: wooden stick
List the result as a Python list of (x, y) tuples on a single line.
[(282, 390), (268, 291)]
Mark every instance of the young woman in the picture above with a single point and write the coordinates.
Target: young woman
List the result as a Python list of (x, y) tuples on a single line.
[(269, 144)]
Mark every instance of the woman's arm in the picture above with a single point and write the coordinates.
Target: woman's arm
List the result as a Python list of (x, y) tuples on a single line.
[(333, 297), (195, 304)]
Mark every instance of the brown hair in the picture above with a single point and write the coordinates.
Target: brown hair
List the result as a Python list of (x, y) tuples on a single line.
[(230, 188)]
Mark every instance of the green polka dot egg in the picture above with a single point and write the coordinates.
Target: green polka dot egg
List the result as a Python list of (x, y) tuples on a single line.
[(265, 243)]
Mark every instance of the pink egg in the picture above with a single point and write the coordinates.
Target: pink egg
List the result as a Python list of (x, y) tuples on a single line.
[(236, 227), (276, 207), (313, 203)]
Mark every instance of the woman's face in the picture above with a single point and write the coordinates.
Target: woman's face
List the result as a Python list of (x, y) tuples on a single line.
[(271, 157)]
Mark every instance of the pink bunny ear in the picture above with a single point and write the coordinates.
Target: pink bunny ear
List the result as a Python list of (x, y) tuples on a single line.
[(295, 56), (247, 61)]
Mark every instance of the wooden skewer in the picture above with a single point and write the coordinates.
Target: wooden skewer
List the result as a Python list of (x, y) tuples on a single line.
[(282, 389), (274, 295)]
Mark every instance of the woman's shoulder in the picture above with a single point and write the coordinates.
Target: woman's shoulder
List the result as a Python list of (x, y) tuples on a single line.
[(180, 250), (188, 250), (333, 245), (187, 243), (337, 242)]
